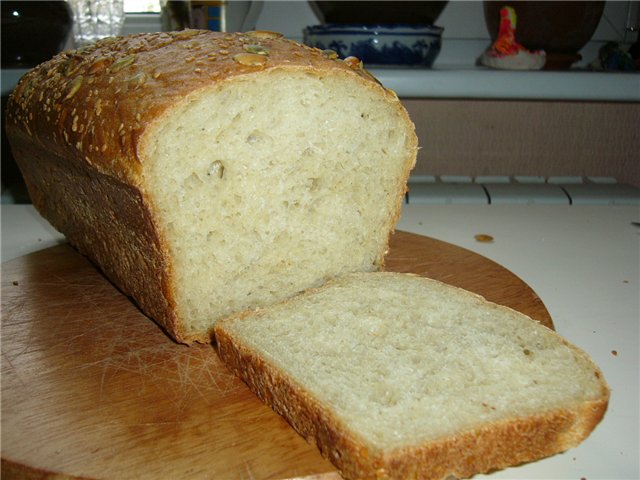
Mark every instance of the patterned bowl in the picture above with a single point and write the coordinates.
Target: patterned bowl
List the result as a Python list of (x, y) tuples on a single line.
[(379, 45)]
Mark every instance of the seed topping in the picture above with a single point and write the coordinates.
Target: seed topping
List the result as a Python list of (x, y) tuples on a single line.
[(98, 66), (138, 80), (257, 49), (330, 54), (122, 63), (72, 65), (354, 62), (250, 59), (216, 169), (75, 86), (189, 32), (264, 34)]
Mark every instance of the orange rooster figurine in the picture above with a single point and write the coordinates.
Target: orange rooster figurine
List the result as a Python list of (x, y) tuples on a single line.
[(506, 53)]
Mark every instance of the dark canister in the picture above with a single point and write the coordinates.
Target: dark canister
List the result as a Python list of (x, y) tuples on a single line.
[(33, 32)]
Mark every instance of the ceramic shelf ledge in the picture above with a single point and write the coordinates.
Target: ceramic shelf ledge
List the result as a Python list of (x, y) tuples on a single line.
[(483, 83)]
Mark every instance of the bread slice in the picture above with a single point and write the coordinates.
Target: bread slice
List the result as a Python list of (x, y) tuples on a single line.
[(396, 376), (206, 173)]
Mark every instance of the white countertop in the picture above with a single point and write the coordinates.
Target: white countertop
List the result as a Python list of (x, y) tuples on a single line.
[(583, 261)]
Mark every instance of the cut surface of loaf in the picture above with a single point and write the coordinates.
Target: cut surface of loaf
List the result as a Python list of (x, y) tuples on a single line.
[(399, 376), (207, 173)]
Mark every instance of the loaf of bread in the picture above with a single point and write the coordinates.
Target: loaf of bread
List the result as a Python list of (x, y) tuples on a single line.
[(396, 376), (206, 173)]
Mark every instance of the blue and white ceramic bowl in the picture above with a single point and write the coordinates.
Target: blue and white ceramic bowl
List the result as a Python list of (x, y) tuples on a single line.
[(379, 45)]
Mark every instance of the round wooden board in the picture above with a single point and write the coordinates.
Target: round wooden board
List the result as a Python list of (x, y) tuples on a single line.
[(93, 388)]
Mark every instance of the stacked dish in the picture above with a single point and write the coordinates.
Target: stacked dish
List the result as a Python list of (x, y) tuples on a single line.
[(379, 45)]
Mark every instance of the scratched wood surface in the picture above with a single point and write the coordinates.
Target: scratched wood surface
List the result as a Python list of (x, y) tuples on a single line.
[(92, 388)]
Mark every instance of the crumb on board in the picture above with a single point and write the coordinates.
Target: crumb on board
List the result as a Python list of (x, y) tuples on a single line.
[(483, 238), (614, 353), (15, 282)]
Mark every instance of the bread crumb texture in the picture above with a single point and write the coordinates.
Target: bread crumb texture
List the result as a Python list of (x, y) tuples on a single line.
[(403, 360), (275, 183)]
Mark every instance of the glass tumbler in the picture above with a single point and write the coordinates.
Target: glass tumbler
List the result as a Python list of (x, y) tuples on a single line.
[(96, 19)]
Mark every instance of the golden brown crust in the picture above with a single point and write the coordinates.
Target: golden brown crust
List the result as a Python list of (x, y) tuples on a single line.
[(93, 104), (496, 446), (77, 122), (106, 220), (303, 412), (481, 450)]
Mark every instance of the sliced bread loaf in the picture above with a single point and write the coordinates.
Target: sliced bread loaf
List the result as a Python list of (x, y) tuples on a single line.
[(396, 376), (206, 173)]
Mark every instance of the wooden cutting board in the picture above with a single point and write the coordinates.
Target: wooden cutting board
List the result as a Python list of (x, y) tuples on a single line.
[(93, 388)]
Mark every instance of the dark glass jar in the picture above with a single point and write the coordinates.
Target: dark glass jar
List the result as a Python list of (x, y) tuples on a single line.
[(33, 32)]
